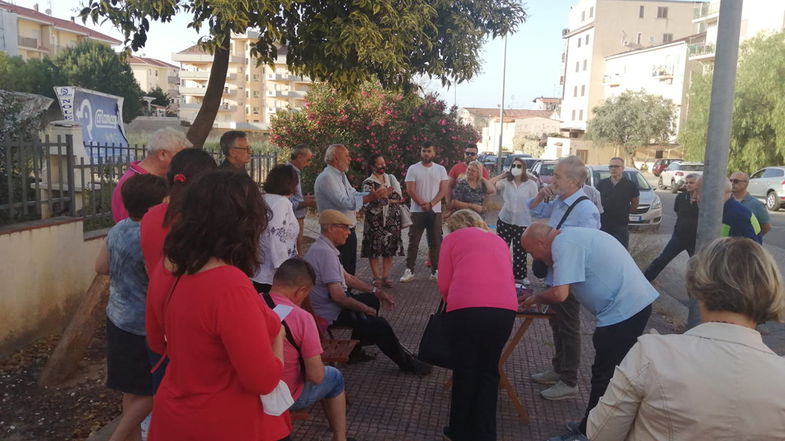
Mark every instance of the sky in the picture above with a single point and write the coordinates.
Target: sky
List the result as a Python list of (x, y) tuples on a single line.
[(533, 53)]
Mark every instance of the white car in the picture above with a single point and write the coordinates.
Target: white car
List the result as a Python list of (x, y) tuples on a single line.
[(649, 211), (673, 176)]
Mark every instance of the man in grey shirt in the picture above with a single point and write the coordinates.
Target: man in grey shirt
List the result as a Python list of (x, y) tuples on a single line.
[(334, 192), (331, 302)]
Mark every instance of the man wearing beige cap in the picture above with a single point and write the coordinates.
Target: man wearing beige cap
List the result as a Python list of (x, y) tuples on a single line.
[(331, 302)]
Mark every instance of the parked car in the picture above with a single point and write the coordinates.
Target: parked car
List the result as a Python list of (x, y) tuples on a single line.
[(661, 164), (531, 162), (768, 185), (673, 176), (489, 161), (649, 211), (509, 158), (543, 171)]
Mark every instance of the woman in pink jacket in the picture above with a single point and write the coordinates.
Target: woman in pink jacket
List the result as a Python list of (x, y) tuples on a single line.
[(476, 282)]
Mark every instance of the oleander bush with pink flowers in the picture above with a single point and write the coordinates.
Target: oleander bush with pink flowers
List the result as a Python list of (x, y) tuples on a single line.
[(372, 121)]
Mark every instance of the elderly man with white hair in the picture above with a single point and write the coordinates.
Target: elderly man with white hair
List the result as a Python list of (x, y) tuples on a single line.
[(163, 145), (334, 192)]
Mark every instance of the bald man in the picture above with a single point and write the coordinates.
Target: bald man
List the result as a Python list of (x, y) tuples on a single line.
[(603, 278), (739, 183), (737, 220)]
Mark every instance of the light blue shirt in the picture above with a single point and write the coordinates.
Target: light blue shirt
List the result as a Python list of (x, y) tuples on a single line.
[(297, 198), (334, 192), (585, 214), (601, 274)]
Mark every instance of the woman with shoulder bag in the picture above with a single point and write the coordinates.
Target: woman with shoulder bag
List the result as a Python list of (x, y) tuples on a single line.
[(382, 230)]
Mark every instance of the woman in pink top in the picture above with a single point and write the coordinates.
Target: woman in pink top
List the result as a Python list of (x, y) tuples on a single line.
[(476, 282)]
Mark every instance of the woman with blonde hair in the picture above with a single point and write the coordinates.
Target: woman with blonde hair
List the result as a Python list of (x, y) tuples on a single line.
[(476, 283), (716, 381), (471, 189)]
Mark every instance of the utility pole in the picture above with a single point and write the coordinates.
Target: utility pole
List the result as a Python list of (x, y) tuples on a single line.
[(501, 109), (719, 130)]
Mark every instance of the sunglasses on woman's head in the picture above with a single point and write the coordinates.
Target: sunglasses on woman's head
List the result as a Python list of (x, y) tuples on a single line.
[(517, 166)]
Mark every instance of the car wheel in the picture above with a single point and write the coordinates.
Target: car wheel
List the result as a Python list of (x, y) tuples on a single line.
[(659, 184), (674, 187), (772, 201)]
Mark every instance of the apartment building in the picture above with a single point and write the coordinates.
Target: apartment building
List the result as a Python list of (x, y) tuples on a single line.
[(151, 73), (252, 94), (600, 28), (30, 33), (756, 16)]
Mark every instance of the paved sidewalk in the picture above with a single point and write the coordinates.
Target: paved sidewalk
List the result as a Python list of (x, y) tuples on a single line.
[(387, 405)]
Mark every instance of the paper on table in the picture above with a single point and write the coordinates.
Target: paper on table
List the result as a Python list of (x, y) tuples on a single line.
[(282, 311)]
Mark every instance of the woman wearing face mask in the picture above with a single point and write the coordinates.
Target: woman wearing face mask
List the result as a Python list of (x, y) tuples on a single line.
[(382, 231), (515, 187)]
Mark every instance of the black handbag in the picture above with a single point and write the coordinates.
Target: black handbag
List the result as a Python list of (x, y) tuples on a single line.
[(434, 344)]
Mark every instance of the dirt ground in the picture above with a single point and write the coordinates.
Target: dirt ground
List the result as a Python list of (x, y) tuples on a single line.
[(70, 412)]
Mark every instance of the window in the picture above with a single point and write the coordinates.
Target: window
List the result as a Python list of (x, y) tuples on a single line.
[(156, 74), (639, 38), (577, 66), (575, 91), (579, 42), (580, 117), (587, 39), (583, 90), (247, 94), (256, 94), (591, 12), (758, 174), (773, 173), (255, 110), (662, 12), (583, 15), (667, 38), (573, 115), (640, 12), (584, 65)]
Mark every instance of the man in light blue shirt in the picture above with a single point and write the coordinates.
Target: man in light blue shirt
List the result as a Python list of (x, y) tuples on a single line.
[(602, 276), (566, 191), (334, 192)]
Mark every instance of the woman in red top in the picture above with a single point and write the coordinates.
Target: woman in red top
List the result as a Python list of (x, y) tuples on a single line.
[(225, 347), (184, 168)]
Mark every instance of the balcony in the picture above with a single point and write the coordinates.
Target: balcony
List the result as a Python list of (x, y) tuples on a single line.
[(277, 93), (276, 77), (190, 106), (173, 79), (701, 52), (195, 74), (200, 57), (198, 91), (297, 93), (225, 107), (236, 60), (230, 92), (706, 11)]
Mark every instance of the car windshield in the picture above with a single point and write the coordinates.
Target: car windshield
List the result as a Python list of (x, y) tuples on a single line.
[(633, 176), (547, 169), (691, 167)]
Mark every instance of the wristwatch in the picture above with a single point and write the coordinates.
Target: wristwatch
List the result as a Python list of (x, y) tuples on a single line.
[(374, 290)]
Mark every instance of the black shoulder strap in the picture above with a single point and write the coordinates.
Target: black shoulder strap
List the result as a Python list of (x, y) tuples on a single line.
[(289, 336), (569, 210)]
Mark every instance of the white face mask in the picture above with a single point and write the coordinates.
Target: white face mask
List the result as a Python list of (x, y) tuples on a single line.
[(515, 171)]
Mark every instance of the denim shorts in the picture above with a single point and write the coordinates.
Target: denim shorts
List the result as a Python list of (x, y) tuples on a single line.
[(330, 387)]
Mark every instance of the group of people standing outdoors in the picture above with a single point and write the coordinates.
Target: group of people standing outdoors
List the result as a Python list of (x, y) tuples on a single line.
[(217, 309)]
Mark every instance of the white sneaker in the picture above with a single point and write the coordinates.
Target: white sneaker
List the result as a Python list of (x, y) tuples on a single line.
[(547, 377), (559, 391), (434, 275), (407, 276)]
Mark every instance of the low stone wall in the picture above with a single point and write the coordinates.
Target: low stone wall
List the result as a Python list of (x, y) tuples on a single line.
[(45, 267)]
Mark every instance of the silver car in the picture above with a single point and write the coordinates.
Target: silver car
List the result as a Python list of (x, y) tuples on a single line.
[(649, 211), (768, 185)]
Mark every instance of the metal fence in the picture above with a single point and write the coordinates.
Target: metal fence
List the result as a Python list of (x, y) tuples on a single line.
[(47, 178)]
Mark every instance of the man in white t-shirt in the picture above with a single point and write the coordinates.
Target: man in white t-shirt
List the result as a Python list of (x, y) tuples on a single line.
[(427, 184)]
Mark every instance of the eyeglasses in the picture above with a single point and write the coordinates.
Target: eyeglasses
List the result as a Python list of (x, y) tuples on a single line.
[(341, 226), (470, 153), (736, 181), (615, 166), (517, 166)]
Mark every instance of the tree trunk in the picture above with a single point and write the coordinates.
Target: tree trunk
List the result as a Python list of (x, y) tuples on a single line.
[(203, 122)]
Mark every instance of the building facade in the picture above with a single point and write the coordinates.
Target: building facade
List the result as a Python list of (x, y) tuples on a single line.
[(30, 33), (252, 93), (600, 28), (151, 73)]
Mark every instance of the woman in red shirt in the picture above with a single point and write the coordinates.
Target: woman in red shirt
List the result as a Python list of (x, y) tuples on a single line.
[(225, 347)]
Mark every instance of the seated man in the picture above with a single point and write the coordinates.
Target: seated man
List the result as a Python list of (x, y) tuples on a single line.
[(309, 380), (332, 303)]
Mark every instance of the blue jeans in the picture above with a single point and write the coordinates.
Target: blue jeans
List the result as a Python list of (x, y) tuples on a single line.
[(330, 387), (674, 247)]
